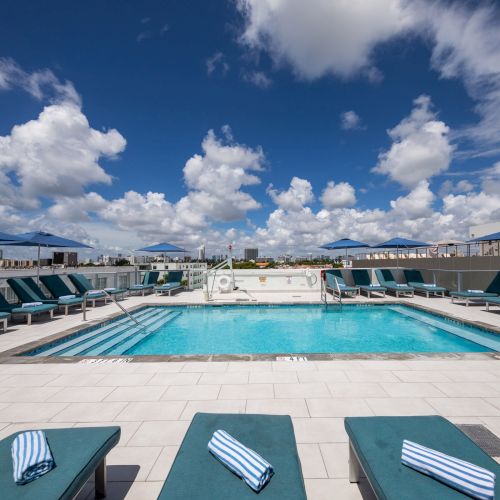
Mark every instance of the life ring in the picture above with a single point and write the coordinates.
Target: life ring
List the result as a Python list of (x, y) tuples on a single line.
[(310, 276), (224, 283)]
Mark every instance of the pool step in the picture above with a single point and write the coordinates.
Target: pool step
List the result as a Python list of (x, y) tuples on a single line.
[(102, 342), (477, 338), (123, 347), (103, 347), (61, 349)]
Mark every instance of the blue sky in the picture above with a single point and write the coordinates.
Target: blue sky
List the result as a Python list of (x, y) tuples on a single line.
[(292, 90)]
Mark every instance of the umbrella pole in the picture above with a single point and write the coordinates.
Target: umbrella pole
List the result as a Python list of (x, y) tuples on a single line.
[(38, 267)]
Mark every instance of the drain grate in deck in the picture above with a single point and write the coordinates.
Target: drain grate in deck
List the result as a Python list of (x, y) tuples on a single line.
[(483, 437)]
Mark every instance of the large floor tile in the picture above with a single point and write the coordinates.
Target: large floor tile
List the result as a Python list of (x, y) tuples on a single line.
[(137, 393), (338, 407), (194, 392), (246, 391), (88, 412), (336, 459), (31, 412), (75, 380), (125, 379), (371, 376), (80, 394), (399, 406), (325, 489), (160, 433), (27, 394), (311, 461), (216, 378), (273, 378), (174, 379), (138, 411), (161, 468), (319, 430), (411, 390), (469, 389), (37, 380), (292, 407), (421, 376), (306, 390), (463, 407), (215, 366), (356, 390), (322, 376)]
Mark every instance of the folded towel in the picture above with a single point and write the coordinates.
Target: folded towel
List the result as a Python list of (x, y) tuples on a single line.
[(31, 456), (137, 286), (66, 297), (243, 461), (460, 475), (475, 291), (111, 289), (371, 284), (94, 292), (430, 285), (32, 304), (401, 285)]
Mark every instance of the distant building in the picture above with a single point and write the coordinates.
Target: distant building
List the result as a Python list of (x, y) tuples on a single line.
[(69, 259), (201, 253), (251, 253)]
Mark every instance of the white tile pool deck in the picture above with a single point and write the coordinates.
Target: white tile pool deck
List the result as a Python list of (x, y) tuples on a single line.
[(154, 402)]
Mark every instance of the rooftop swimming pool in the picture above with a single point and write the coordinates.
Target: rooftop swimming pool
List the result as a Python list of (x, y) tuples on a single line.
[(258, 329)]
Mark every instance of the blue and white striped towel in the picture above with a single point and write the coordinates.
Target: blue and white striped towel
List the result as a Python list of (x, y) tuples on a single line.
[(31, 456), (243, 461), (110, 289), (32, 304), (430, 285), (65, 297), (475, 291), (460, 475), (94, 292)]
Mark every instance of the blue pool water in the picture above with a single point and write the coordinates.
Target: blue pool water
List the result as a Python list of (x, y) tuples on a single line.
[(275, 329)]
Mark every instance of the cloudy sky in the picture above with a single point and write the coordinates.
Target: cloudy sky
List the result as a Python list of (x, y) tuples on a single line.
[(281, 124)]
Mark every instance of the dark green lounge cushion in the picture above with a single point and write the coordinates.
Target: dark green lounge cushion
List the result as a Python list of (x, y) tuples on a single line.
[(472, 295), (196, 474), (378, 442), (77, 453)]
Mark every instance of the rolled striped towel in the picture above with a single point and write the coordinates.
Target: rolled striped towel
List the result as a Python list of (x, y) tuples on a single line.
[(430, 285), (243, 461), (110, 289), (94, 292), (65, 297), (458, 474), (32, 304), (475, 291), (31, 456)]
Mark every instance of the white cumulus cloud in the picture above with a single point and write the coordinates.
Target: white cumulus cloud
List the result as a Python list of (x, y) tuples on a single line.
[(338, 195), (421, 147), (295, 197), (350, 120)]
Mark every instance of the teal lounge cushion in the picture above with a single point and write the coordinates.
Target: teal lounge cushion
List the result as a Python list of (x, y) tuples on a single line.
[(421, 286), (34, 309), (70, 302), (4, 315), (378, 442), (167, 286), (493, 300), (473, 294), (77, 453), (196, 474)]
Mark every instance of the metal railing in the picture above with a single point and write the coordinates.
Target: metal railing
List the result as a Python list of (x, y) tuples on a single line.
[(109, 296)]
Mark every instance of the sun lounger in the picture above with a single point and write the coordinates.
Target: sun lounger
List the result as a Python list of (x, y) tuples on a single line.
[(493, 290), (195, 474), (415, 280), (17, 309), (78, 453), (4, 317), (58, 288), (28, 291), (492, 301), (83, 285), (148, 283), (362, 280), (375, 445), (174, 279), (386, 279), (336, 274)]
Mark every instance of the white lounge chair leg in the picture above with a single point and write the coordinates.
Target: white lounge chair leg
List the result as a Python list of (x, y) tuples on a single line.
[(66, 309), (51, 312), (100, 479), (354, 467), (28, 320), (467, 302)]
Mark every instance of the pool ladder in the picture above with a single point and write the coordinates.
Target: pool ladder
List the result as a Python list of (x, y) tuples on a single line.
[(324, 292), (109, 296)]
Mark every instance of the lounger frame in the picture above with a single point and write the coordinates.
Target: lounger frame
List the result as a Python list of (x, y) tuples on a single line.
[(159, 291)]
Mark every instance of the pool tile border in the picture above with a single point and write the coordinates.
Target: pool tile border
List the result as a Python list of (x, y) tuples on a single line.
[(15, 355)]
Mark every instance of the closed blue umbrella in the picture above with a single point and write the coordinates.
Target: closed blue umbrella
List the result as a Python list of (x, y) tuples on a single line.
[(398, 243), (344, 243), (42, 239)]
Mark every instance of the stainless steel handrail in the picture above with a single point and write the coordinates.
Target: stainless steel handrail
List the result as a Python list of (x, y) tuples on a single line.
[(338, 290), (109, 296)]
